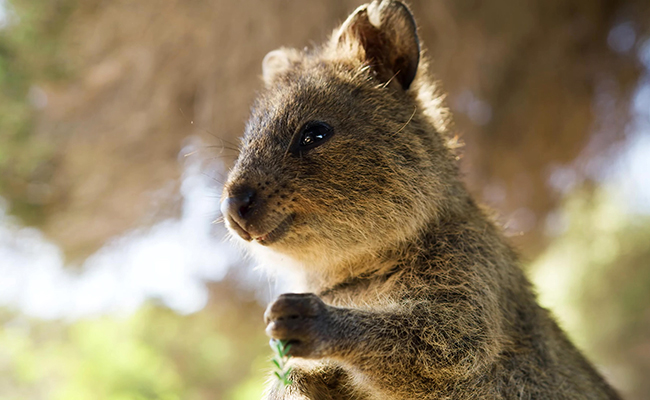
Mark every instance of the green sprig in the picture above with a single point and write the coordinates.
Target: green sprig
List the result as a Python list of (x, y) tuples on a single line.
[(280, 360)]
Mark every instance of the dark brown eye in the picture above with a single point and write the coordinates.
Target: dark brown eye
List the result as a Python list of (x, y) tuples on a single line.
[(314, 134)]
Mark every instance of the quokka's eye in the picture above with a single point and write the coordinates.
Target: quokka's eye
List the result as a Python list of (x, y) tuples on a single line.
[(314, 134)]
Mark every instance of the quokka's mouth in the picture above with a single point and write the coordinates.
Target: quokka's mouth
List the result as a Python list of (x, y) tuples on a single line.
[(243, 233), (277, 233)]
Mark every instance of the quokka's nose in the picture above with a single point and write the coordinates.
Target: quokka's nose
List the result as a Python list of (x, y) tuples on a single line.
[(237, 209)]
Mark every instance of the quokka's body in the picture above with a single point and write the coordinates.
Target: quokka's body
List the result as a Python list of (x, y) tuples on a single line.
[(346, 173)]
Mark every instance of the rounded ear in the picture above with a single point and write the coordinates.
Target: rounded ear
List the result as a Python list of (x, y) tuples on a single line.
[(384, 35), (275, 63)]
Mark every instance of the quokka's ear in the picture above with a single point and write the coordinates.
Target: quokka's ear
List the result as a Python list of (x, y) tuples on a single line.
[(384, 35), (275, 63)]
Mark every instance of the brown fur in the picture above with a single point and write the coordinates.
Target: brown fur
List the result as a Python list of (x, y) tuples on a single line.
[(419, 295)]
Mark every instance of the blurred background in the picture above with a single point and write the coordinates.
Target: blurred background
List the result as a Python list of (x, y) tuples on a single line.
[(119, 120)]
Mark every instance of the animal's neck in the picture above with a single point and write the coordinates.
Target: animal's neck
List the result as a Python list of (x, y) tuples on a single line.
[(460, 229)]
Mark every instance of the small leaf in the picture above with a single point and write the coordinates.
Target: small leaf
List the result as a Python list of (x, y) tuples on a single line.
[(279, 361)]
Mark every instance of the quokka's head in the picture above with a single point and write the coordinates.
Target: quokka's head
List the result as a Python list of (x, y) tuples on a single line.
[(342, 154)]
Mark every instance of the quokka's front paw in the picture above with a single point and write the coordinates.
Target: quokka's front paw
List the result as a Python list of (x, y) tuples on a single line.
[(302, 321)]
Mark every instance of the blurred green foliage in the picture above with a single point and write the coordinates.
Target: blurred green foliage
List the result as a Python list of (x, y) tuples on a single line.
[(595, 277), (152, 354), (30, 53)]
